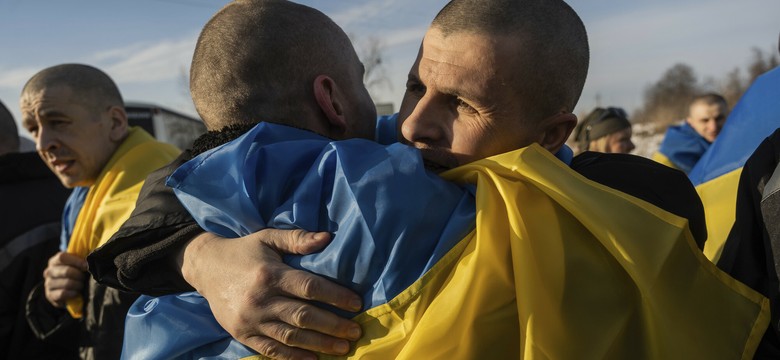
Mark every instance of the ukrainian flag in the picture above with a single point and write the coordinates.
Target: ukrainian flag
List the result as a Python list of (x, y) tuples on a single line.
[(716, 175), (550, 265)]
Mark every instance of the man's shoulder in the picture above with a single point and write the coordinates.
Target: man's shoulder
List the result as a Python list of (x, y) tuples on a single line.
[(660, 185), (662, 159)]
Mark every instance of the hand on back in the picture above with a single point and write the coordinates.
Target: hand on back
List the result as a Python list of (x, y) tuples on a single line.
[(265, 304)]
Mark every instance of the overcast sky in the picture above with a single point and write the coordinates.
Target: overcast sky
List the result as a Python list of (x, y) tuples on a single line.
[(146, 45)]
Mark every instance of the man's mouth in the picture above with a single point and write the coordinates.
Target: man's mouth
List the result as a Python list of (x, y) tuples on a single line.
[(434, 167), (437, 160), (61, 166)]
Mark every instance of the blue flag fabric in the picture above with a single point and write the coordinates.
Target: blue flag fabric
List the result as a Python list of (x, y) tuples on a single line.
[(683, 146), (70, 213), (371, 197), (374, 193)]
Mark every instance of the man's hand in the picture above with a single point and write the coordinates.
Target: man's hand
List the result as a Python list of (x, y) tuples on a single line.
[(262, 302), (64, 278)]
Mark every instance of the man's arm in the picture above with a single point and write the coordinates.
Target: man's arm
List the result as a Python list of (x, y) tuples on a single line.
[(138, 257), (253, 294)]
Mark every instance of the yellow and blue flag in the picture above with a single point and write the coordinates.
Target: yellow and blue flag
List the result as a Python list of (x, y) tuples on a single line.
[(716, 175), (537, 262), (109, 202)]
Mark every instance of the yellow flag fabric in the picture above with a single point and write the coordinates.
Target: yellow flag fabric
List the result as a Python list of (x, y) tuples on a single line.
[(662, 159), (719, 197), (560, 267), (112, 198)]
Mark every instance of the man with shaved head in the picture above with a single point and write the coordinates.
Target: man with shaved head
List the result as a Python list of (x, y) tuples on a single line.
[(685, 144), (481, 90), (76, 116)]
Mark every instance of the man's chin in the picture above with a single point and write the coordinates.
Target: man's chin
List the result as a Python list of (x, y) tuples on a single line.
[(71, 182)]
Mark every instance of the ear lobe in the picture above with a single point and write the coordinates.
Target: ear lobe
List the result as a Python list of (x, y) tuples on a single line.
[(118, 123), (331, 102), (557, 130)]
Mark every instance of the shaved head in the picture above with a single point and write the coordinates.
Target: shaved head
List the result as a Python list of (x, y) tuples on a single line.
[(256, 60), (96, 89), (553, 64)]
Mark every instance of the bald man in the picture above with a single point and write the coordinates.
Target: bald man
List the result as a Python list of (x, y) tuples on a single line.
[(76, 116), (685, 144)]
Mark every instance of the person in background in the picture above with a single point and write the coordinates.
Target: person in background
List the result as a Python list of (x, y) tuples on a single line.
[(76, 116), (685, 144), (32, 201), (605, 130)]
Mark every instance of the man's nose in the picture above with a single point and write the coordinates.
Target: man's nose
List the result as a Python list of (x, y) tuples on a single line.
[(712, 126), (46, 141), (426, 124)]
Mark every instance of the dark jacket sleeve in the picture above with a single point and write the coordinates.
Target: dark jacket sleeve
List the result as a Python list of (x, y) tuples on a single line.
[(140, 257), (52, 325)]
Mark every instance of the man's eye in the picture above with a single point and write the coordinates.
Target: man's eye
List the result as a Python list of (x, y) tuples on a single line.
[(415, 88), (465, 107)]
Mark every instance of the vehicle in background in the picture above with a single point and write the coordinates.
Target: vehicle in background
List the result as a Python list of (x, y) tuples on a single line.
[(165, 125)]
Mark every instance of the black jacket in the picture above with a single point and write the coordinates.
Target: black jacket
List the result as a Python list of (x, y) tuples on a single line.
[(752, 250), (31, 207)]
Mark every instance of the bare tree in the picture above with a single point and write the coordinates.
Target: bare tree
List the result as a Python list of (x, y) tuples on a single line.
[(666, 101), (370, 50), (733, 86)]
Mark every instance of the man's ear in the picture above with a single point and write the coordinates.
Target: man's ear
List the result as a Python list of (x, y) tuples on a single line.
[(556, 131), (332, 103), (118, 123)]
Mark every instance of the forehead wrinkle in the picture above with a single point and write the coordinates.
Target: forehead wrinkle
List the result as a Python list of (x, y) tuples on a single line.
[(466, 72), (453, 79)]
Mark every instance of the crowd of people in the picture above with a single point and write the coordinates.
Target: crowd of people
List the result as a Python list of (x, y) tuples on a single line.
[(301, 225)]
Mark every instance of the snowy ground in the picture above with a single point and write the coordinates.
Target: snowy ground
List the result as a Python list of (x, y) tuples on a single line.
[(645, 139)]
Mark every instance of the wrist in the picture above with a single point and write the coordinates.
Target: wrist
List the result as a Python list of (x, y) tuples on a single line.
[(187, 258)]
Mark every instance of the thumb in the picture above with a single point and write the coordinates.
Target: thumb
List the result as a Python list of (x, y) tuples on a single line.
[(297, 241)]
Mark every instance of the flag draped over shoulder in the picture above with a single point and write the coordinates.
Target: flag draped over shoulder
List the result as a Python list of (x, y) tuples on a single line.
[(681, 148), (716, 175), (111, 199), (392, 220), (560, 267), (557, 267)]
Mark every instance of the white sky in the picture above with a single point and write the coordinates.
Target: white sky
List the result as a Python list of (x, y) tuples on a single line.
[(146, 45)]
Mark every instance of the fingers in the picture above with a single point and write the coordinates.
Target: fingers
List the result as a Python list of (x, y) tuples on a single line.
[(283, 340), (293, 241), (59, 289), (63, 278), (58, 294), (63, 258), (275, 350), (303, 285), (310, 327)]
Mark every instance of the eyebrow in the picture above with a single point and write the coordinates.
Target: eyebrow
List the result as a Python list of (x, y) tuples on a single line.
[(51, 113), (444, 90)]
